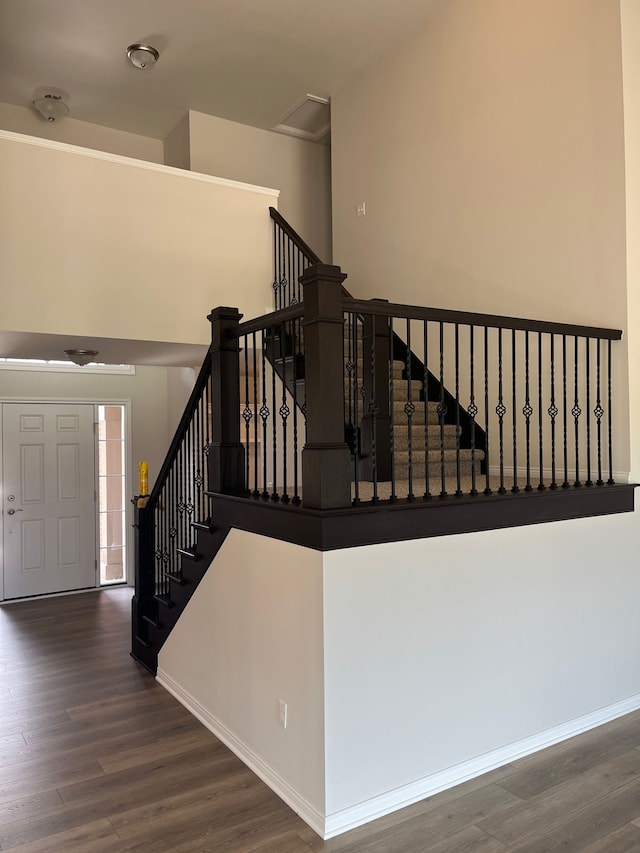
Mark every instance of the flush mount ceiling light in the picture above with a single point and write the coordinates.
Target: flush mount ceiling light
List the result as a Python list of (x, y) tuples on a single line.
[(51, 106), (142, 55), (81, 357)]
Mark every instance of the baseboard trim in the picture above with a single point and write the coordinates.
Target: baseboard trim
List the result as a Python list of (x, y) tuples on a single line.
[(302, 807), (346, 819)]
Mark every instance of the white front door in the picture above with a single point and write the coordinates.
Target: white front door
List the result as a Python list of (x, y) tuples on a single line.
[(48, 498)]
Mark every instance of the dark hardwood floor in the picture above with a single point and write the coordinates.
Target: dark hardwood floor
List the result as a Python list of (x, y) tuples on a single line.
[(95, 756)]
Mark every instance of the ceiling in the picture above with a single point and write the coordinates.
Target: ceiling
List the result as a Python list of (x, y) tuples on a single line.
[(249, 61)]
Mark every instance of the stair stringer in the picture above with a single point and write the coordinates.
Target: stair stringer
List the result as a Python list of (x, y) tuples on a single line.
[(193, 568)]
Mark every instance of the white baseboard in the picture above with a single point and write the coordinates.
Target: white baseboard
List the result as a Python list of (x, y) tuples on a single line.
[(302, 807), (328, 826), (342, 821)]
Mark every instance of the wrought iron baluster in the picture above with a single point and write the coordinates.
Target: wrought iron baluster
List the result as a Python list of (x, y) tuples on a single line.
[(514, 403), (458, 492), (552, 411), (190, 482), (294, 362), (587, 349), (170, 500), (283, 278), (284, 413), (256, 468), (487, 488), (274, 424), (541, 485), (442, 411), (291, 283), (527, 411), (576, 411), (409, 409), (501, 411), (393, 496), (599, 412), (349, 364), (373, 411), (264, 415), (565, 420), (610, 481), (425, 386), (472, 409)]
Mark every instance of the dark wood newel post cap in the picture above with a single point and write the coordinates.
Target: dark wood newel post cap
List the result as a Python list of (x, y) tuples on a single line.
[(224, 313), (324, 272)]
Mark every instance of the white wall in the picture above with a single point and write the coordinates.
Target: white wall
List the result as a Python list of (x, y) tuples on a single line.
[(251, 635), (98, 245), (464, 645), (300, 170), (28, 121)]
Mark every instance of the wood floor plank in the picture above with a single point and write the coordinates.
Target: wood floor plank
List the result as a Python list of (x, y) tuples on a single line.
[(96, 837), (516, 824), (417, 833), (559, 763), (289, 842), (623, 840), (26, 808), (138, 755), (589, 825), (471, 840), (232, 816)]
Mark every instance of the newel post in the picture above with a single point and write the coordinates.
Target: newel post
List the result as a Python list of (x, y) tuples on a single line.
[(226, 452), (326, 460), (144, 577)]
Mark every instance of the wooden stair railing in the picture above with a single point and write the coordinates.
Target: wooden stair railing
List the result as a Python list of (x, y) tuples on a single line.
[(541, 391)]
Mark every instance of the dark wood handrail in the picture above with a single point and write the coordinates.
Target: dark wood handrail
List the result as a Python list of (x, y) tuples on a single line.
[(201, 381), (293, 235), (266, 321), (442, 315)]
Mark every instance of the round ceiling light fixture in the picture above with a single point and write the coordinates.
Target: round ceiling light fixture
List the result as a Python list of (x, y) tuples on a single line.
[(81, 357), (51, 106), (142, 55)]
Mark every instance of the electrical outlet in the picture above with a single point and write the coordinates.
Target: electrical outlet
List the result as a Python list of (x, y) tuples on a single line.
[(282, 713), (361, 209)]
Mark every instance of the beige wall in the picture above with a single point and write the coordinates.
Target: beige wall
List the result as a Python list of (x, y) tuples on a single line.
[(631, 82), (176, 146), (28, 121), (105, 246), (300, 170), (490, 154)]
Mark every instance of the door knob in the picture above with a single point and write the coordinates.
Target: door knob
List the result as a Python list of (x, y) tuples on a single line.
[(13, 511)]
